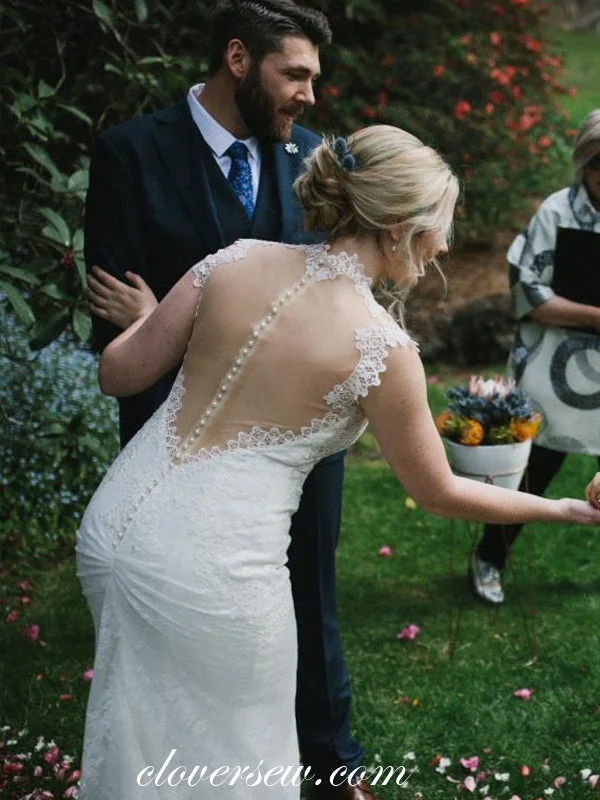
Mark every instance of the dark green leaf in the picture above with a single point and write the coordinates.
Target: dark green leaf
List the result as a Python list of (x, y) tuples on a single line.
[(20, 274), (40, 155), (82, 324), (50, 329), (44, 90), (81, 271), (141, 10), (76, 112), (58, 223), (55, 292), (103, 13), (20, 306)]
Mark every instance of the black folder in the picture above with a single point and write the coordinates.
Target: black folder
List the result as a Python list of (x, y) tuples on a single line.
[(577, 266)]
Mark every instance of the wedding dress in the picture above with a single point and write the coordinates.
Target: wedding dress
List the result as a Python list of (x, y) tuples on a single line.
[(182, 550)]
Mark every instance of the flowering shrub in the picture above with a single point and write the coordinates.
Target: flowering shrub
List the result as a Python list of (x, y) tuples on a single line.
[(488, 412), (35, 771), (57, 434)]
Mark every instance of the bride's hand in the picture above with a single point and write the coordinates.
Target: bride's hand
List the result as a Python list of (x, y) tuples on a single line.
[(118, 302), (592, 491)]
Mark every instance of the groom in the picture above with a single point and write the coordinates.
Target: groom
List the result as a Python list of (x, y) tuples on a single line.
[(170, 188)]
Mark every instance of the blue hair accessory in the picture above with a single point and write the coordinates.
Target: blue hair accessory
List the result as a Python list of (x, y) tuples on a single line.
[(345, 157)]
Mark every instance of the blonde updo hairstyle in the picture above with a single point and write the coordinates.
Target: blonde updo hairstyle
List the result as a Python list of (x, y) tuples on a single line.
[(587, 143), (397, 181)]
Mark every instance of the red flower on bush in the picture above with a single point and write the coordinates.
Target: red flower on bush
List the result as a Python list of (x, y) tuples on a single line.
[(439, 70), (545, 141), (520, 3), (497, 8), (495, 39), (368, 112), (534, 45), (496, 97), (489, 108), (461, 109), (331, 91)]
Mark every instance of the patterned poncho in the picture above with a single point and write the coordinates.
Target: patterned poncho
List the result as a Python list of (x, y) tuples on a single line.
[(558, 367)]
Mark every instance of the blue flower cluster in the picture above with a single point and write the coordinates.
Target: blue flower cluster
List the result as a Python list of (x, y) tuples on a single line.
[(491, 411), (58, 433)]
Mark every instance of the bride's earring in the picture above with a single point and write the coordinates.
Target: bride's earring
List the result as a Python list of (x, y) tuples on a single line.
[(395, 245)]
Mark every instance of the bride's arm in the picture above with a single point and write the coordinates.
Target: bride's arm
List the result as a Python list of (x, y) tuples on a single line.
[(152, 345), (404, 428)]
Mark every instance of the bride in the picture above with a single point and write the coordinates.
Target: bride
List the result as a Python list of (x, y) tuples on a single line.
[(182, 551)]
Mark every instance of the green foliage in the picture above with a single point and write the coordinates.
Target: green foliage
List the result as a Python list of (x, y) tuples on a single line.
[(57, 434), (472, 78)]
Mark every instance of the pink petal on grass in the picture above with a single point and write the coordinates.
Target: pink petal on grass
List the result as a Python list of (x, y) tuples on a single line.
[(515, 797), (74, 776), (71, 792), (470, 763), (37, 772), (523, 694), (525, 771), (593, 781), (65, 697), (469, 783), (386, 551), (559, 782), (12, 616), (410, 632), (88, 675)]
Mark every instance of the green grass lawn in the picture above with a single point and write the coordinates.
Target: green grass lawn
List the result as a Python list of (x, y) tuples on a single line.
[(449, 693), (581, 50)]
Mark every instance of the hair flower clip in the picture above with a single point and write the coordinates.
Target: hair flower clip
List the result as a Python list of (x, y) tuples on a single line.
[(345, 157)]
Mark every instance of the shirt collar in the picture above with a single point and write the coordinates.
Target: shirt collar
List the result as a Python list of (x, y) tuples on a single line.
[(218, 138), (581, 204)]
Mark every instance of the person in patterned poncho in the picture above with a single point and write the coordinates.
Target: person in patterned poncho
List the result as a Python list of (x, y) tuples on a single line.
[(556, 354)]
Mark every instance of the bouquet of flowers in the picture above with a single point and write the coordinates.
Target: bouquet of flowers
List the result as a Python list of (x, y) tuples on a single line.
[(488, 412)]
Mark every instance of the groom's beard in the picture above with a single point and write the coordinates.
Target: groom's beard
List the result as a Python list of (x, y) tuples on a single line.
[(257, 109)]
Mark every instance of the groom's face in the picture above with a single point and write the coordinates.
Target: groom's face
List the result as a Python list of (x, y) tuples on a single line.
[(275, 92)]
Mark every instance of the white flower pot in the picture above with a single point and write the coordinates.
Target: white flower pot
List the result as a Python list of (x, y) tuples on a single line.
[(500, 464)]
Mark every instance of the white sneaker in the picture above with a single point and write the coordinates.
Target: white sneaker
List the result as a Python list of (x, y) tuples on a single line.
[(486, 580)]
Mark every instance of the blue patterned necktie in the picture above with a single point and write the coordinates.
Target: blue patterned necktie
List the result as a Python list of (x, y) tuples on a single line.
[(240, 176)]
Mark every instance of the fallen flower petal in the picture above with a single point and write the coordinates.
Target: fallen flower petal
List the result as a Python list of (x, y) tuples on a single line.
[(523, 694), (593, 781), (525, 771), (469, 783), (65, 697), (470, 763), (585, 774), (410, 503), (386, 551), (12, 616), (559, 782), (410, 632), (443, 765), (502, 776), (88, 675)]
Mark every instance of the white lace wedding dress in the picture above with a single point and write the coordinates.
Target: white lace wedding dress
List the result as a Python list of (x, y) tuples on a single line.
[(182, 550)]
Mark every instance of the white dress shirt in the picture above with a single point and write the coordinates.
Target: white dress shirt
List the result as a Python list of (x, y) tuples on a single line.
[(220, 140)]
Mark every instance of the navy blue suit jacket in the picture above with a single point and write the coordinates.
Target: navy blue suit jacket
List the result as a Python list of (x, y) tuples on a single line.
[(150, 209)]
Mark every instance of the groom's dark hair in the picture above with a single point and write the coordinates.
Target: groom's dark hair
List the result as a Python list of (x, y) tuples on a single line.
[(261, 25)]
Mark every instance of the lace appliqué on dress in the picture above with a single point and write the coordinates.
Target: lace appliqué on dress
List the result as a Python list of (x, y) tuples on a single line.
[(373, 344)]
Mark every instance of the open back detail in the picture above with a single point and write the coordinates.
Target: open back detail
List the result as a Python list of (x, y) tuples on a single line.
[(297, 333)]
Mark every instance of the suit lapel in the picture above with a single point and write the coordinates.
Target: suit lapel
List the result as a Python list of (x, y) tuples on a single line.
[(182, 151), (287, 167)]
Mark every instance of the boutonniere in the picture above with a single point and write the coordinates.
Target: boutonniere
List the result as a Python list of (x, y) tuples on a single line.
[(291, 148)]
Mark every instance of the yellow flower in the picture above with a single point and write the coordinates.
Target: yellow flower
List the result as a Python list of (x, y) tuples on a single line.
[(523, 429), (441, 421), (472, 433)]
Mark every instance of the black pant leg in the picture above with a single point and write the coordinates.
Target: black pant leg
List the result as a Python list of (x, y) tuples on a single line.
[(497, 540), (323, 701)]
